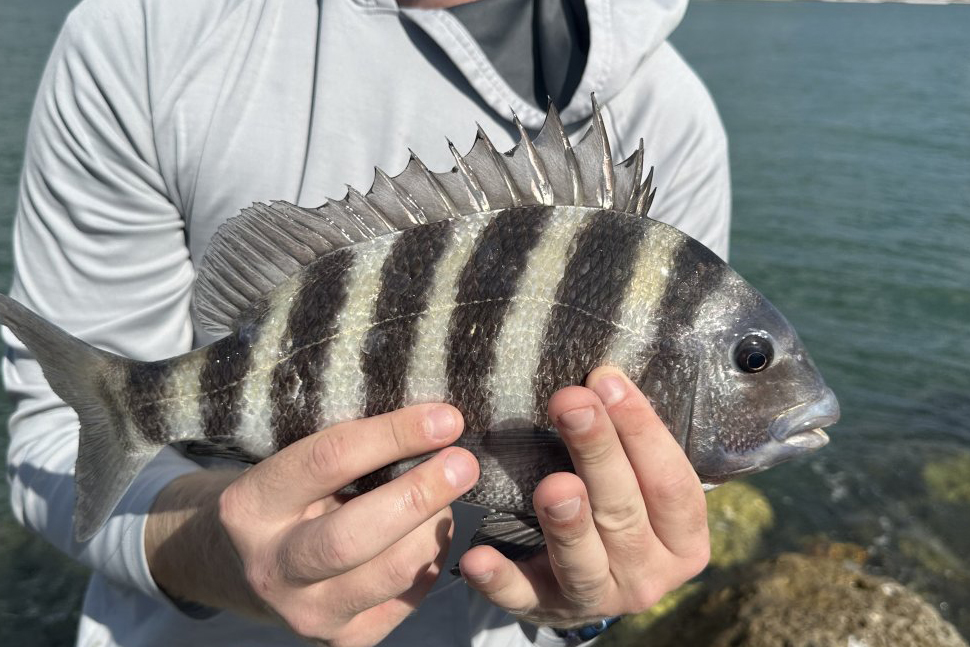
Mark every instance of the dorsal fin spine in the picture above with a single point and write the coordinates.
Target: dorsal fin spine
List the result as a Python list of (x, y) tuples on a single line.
[(638, 171), (542, 187), (355, 218), (347, 205), (607, 180), (470, 180), (499, 161), (435, 184), (415, 212), (645, 195), (649, 203), (572, 166), (353, 195)]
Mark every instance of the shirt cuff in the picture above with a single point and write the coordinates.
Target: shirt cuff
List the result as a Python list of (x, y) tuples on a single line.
[(118, 549)]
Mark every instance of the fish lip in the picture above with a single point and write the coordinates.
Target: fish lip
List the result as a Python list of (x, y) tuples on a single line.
[(794, 433), (770, 454), (801, 426)]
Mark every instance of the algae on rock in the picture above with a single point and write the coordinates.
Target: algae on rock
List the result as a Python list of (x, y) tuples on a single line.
[(628, 632), (948, 479), (738, 514)]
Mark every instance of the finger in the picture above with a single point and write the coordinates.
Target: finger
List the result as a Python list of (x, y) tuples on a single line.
[(371, 626), (670, 487), (328, 610), (324, 462), (367, 525), (599, 459), (395, 581), (502, 582), (576, 553)]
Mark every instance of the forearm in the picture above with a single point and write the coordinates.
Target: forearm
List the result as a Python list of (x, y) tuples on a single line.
[(188, 552)]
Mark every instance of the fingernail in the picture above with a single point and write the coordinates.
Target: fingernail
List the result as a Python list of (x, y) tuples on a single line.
[(564, 510), (577, 420), (458, 469), (611, 390), (480, 578), (441, 423)]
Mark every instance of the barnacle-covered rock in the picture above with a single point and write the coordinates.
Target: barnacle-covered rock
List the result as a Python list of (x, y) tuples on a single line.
[(801, 601)]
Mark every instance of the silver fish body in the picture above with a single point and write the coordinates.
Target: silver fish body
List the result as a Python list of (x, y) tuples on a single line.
[(485, 288)]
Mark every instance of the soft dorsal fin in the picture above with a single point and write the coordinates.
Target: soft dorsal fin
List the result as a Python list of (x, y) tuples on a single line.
[(257, 250)]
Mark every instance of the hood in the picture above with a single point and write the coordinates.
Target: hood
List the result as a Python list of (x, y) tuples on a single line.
[(622, 33)]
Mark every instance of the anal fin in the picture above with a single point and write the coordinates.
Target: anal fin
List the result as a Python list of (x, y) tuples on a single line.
[(517, 536)]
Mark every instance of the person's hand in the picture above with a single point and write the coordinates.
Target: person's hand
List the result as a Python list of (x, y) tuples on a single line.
[(334, 570), (628, 527)]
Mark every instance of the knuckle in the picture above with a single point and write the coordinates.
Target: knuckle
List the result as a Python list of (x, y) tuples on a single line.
[(230, 507), (644, 596), (305, 622), (585, 593), (337, 548), (326, 453), (400, 434), (597, 451), (261, 581), (621, 517), (567, 538), (696, 561), (418, 498), (677, 490), (402, 573)]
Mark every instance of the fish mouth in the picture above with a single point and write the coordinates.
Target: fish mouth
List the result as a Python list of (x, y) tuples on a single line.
[(801, 427), (793, 433)]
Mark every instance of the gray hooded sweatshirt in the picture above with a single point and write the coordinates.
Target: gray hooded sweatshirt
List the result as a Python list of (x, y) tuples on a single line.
[(157, 120)]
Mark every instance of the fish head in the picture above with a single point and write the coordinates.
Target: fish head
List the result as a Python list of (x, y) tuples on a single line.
[(744, 393)]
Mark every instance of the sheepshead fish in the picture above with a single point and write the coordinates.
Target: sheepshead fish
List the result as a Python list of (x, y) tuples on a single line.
[(490, 287)]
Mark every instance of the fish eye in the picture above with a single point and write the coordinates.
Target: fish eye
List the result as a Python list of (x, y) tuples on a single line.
[(753, 353)]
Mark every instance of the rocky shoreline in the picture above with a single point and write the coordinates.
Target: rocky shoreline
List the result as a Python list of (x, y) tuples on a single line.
[(821, 597)]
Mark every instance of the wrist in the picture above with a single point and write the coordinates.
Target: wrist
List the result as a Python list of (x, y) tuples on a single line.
[(189, 554)]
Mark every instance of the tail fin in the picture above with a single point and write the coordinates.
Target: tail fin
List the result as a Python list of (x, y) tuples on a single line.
[(110, 452)]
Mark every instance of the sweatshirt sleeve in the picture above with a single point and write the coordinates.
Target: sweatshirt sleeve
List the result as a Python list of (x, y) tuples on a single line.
[(667, 104), (100, 251)]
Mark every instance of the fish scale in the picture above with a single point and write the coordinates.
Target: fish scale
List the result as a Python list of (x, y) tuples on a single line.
[(422, 290), (310, 329), (485, 289), (407, 277)]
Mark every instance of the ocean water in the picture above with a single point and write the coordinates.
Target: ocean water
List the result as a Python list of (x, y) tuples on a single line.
[(850, 151), (850, 147)]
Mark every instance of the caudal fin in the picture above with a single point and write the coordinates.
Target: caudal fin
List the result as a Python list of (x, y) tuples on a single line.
[(110, 452)]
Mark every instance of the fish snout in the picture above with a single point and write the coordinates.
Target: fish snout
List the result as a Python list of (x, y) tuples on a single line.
[(801, 426)]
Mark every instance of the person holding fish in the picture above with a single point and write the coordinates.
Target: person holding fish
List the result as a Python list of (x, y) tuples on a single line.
[(460, 335)]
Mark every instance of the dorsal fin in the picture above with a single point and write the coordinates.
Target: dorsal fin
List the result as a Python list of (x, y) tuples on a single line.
[(257, 250)]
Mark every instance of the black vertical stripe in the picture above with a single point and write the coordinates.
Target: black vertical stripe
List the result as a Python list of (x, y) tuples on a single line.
[(146, 387), (312, 322), (485, 287), (406, 278), (695, 273), (221, 378), (582, 322)]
